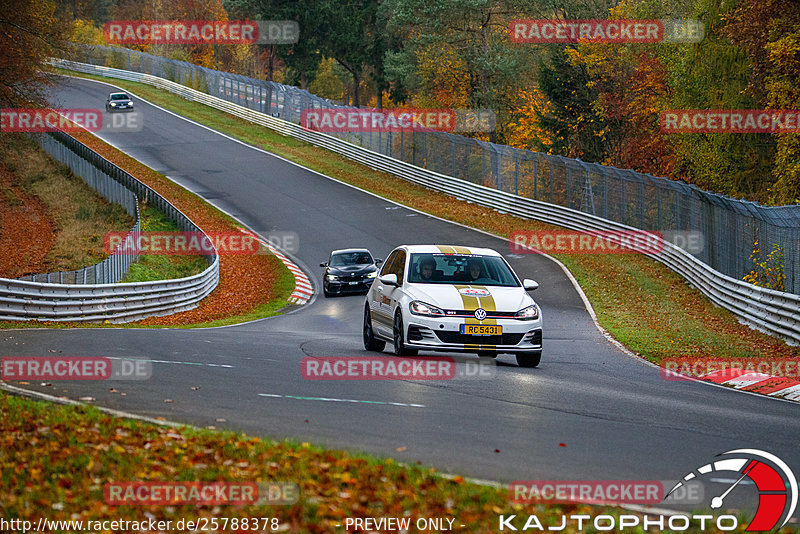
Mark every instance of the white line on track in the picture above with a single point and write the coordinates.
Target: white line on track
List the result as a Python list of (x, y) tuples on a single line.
[(327, 399), (172, 361)]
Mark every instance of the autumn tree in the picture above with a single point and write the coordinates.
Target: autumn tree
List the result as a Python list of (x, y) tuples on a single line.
[(458, 52), (30, 32), (769, 32)]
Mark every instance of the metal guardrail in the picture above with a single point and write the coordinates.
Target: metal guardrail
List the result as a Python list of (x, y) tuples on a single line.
[(112, 269), (117, 303), (772, 311)]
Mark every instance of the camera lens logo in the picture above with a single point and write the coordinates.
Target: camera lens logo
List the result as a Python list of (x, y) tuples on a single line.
[(775, 483)]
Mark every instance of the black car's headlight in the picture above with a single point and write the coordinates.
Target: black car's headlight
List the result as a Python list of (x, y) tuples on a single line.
[(332, 277), (528, 314), (373, 274), (418, 307)]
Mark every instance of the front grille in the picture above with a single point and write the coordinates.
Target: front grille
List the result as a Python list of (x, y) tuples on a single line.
[(466, 339), (489, 314)]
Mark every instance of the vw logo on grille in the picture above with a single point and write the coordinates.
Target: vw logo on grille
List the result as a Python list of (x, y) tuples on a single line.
[(480, 314)]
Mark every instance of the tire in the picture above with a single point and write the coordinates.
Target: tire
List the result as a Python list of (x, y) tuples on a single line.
[(398, 333), (370, 341), (529, 359)]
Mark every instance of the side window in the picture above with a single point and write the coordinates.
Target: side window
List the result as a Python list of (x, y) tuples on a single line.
[(387, 265), (399, 265)]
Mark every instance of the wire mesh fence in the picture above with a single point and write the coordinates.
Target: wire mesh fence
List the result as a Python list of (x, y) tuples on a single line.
[(729, 228)]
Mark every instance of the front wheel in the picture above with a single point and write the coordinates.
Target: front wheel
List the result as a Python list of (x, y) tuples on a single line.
[(399, 342), (529, 359), (370, 341)]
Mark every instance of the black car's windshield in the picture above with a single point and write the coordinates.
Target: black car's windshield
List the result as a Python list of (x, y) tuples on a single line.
[(461, 269), (350, 258), (119, 96)]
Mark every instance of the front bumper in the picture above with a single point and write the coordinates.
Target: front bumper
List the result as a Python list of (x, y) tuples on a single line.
[(443, 334), (345, 286)]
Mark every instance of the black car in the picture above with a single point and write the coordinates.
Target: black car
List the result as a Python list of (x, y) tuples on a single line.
[(119, 102), (350, 270)]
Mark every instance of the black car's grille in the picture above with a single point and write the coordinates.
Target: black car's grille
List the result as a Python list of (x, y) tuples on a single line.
[(351, 277), (466, 339)]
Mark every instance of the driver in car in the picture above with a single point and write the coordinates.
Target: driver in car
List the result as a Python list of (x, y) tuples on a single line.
[(476, 274), (427, 268)]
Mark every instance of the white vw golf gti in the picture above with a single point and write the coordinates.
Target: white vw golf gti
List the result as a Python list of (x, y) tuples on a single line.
[(453, 299)]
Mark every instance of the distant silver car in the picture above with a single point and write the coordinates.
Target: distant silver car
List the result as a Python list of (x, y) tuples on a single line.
[(119, 102)]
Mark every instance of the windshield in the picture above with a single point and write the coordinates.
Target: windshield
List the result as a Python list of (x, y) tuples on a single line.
[(350, 258), (461, 269), (119, 96)]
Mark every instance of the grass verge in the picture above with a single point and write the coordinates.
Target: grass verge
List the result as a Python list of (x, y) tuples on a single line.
[(161, 266), (58, 459), (644, 305), (79, 217)]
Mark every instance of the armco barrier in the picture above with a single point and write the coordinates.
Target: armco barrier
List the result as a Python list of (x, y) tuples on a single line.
[(773, 311), (112, 269), (117, 303)]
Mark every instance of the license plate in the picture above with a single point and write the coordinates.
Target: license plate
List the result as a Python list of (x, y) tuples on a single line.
[(482, 329)]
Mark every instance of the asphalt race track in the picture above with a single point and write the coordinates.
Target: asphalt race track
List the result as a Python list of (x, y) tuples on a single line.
[(589, 411)]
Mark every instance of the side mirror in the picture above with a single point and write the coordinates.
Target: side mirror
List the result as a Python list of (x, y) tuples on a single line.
[(378, 261), (323, 264), (530, 285), (389, 280)]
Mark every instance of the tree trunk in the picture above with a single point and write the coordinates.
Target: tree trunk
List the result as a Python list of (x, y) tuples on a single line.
[(356, 84), (270, 62)]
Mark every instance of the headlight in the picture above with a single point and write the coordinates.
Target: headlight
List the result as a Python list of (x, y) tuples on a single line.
[(113, 104), (418, 307), (332, 277), (528, 314), (373, 274)]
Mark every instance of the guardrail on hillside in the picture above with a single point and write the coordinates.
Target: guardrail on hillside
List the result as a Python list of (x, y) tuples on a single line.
[(772, 311), (118, 303), (112, 269)]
